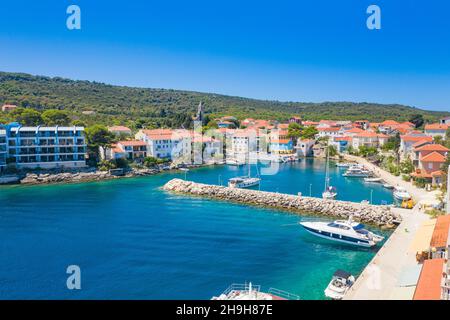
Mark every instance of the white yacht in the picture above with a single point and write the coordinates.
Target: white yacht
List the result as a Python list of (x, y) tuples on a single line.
[(343, 164), (329, 192), (245, 181), (400, 193), (345, 231), (339, 285), (376, 180), (357, 171), (252, 292)]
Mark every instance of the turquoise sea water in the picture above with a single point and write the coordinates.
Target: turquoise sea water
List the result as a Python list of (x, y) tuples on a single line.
[(134, 241)]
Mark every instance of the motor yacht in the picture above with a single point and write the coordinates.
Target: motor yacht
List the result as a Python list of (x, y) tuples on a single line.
[(345, 231), (357, 171)]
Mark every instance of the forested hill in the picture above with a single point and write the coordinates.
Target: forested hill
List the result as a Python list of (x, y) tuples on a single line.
[(156, 107)]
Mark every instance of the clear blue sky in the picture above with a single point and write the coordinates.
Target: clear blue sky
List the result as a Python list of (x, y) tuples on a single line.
[(298, 50)]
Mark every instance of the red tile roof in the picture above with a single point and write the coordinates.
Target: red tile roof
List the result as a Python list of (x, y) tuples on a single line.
[(429, 284), (132, 143), (433, 147), (389, 123), (408, 138), (433, 157), (366, 134), (440, 233), (436, 126), (331, 129)]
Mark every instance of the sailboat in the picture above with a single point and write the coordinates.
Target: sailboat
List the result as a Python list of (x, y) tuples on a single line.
[(245, 181), (329, 192)]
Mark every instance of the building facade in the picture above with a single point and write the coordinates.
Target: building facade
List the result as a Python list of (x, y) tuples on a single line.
[(46, 147), (3, 152)]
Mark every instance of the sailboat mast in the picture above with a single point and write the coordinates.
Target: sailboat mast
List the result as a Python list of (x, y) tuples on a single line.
[(327, 168)]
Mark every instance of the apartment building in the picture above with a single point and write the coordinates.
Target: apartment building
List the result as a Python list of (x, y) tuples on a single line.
[(3, 152), (46, 147)]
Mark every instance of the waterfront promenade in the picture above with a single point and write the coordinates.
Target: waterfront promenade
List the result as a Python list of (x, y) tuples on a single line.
[(380, 279)]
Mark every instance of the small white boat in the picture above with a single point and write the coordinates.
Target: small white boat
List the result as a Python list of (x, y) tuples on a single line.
[(329, 192), (357, 171), (345, 231), (252, 292), (388, 186), (234, 162), (343, 164), (246, 181), (243, 182), (400, 193), (339, 285), (377, 180)]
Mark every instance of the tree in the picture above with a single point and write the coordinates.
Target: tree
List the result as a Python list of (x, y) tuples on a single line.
[(438, 139), (294, 131), (417, 119), (365, 151), (309, 133), (406, 166), (98, 136), (28, 117), (55, 118), (332, 150)]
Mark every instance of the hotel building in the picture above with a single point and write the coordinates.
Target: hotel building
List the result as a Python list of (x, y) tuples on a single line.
[(2, 149), (46, 147)]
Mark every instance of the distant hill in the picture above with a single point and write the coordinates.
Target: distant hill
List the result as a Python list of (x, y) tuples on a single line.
[(165, 107)]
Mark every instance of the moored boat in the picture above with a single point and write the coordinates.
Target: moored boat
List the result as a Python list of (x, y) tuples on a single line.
[(345, 231), (343, 164), (339, 285), (400, 193), (377, 180), (253, 292), (357, 171), (243, 182), (388, 186)]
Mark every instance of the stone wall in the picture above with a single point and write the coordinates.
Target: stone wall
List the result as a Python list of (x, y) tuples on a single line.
[(381, 216)]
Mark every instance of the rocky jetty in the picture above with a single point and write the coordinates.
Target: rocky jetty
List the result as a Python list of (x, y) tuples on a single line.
[(381, 216)]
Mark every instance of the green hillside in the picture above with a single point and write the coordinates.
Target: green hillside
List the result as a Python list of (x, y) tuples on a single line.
[(139, 107)]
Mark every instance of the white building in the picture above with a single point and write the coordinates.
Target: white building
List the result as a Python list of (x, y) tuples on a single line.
[(436, 129), (47, 147), (167, 143), (329, 132), (3, 152)]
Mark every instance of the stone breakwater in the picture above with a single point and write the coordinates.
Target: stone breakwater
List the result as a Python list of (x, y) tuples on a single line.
[(381, 216)]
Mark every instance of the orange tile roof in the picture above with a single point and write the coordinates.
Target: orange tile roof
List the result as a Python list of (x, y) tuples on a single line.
[(355, 130), (440, 233), (421, 142), (408, 124), (436, 126), (331, 129), (381, 135), (408, 138), (433, 147), (429, 284), (132, 143), (389, 123), (342, 138), (433, 157)]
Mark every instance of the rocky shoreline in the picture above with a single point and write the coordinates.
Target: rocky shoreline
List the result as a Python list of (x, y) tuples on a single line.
[(87, 175), (381, 216)]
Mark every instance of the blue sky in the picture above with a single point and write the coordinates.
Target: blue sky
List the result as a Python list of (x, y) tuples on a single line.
[(293, 50)]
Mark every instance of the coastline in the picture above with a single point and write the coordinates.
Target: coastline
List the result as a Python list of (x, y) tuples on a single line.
[(82, 176)]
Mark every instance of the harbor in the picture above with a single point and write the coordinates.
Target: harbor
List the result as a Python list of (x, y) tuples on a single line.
[(126, 232)]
